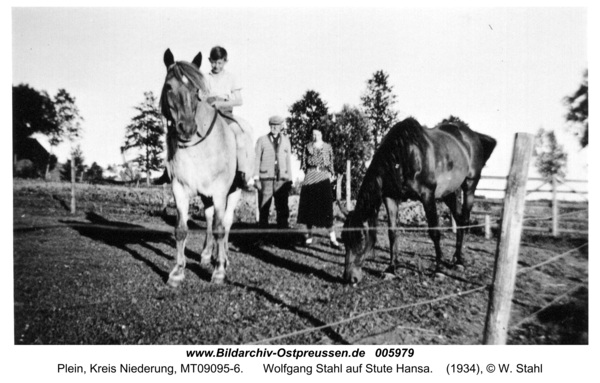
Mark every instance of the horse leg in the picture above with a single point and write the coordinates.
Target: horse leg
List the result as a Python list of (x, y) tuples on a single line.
[(182, 201), (432, 220), (468, 200), (232, 202), (451, 201), (209, 213), (219, 259), (391, 207)]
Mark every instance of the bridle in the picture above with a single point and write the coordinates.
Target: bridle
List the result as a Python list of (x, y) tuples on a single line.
[(210, 128), (202, 138)]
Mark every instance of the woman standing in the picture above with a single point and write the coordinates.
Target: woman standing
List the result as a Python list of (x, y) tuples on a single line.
[(316, 200)]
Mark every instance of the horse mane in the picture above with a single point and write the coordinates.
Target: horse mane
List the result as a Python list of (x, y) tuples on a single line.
[(395, 150), (187, 74)]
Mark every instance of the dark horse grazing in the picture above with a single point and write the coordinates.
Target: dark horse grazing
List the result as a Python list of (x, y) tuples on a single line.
[(201, 160), (417, 163)]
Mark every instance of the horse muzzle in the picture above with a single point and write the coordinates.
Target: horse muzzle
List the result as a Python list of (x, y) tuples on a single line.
[(353, 275), (186, 131)]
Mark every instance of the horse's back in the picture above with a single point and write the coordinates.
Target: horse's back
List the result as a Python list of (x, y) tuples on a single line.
[(477, 146)]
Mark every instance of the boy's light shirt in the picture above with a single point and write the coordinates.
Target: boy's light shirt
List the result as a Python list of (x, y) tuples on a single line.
[(222, 85)]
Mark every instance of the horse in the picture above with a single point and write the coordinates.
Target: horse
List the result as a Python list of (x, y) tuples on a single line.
[(201, 160), (422, 164)]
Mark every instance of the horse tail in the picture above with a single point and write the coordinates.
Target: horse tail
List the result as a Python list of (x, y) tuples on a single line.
[(488, 144)]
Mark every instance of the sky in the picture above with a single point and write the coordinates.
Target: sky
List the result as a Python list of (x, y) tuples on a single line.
[(501, 70)]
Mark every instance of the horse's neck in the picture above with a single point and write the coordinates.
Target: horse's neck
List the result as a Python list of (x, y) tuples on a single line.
[(204, 117)]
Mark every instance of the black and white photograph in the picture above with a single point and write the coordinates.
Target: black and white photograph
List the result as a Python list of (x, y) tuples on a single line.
[(379, 179)]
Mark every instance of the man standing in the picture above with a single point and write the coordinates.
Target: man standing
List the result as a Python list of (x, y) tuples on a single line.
[(273, 164)]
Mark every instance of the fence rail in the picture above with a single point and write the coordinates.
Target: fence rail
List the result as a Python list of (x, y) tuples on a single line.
[(555, 203)]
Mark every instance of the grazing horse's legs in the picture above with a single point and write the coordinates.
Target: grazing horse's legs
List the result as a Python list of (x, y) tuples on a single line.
[(468, 199), (182, 201), (219, 259), (392, 211), (430, 207), (209, 213), (451, 201)]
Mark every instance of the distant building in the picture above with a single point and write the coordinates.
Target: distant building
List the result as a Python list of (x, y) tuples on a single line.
[(30, 149)]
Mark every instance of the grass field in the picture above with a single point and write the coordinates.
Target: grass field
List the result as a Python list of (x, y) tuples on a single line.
[(98, 277)]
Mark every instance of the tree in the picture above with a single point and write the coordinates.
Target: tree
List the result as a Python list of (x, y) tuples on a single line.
[(577, 115), (551, 159), (33, 112), (351, 139), (306, 115), (452, 119), (69, 121), (145, 133), (80, 167), (130, 173), (94, 173), (377, 103), (68, 118)]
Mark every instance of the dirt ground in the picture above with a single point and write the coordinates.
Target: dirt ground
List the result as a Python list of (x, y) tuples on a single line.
[(98, 277)]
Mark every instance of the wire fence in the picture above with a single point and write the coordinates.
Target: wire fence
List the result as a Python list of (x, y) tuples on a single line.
[(302, 230), (341, 229), (436, 300)]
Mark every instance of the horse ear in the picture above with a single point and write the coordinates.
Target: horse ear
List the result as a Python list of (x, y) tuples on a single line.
[(168, 58), (197, 60)]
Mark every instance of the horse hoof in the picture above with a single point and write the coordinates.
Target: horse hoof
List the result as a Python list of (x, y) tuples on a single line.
[(205, 260), (218, 278), (176, 277), (174, 282)]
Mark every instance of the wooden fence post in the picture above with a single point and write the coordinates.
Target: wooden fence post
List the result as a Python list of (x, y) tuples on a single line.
[(554, 206), (348, 189), (257, 210), (488, 227), (496, 325), (73, 208)]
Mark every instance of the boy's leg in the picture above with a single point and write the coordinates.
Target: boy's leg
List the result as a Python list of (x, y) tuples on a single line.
[(245, 160)]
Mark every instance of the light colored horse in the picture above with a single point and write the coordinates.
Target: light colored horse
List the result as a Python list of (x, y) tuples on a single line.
[(201, 160)]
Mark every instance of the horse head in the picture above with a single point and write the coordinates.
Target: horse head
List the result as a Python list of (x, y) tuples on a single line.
[(359, 238), (179, 98)]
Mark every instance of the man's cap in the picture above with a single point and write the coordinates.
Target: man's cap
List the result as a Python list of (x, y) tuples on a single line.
[(276, 120)]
